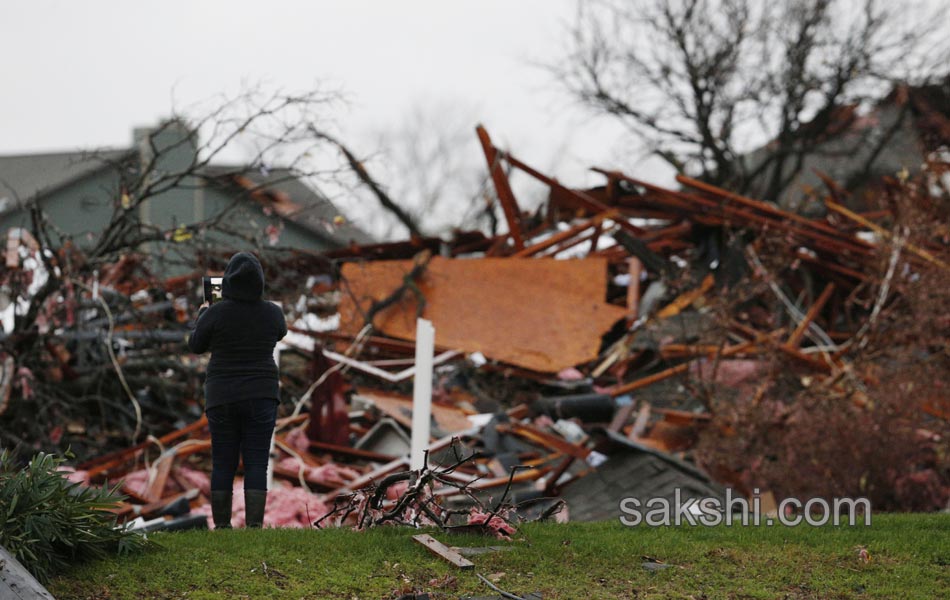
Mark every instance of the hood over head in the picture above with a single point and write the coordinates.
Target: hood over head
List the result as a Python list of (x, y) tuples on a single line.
[(244, 278)]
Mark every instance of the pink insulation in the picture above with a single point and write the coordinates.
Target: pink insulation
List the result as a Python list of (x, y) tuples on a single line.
[(396, 490), (498, 526), (298, 440), (137, 480), (329, 474), (287, 506), (75, 476), (196, 479)]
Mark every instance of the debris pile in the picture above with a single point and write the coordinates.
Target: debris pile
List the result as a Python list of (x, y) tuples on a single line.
[(622, 341), (99, 360)]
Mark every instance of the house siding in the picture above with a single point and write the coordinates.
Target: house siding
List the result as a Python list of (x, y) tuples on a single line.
[(83, 210)]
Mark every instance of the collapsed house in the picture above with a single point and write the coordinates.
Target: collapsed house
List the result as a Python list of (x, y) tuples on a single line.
[(579, 356)]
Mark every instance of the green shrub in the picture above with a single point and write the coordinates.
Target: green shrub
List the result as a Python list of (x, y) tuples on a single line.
[(48, 522)]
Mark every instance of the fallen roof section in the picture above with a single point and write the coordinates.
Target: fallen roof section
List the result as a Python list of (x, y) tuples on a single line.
[(540, 314)]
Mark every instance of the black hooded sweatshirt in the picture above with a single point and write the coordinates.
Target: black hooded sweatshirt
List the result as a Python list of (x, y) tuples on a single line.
[(241, 331)]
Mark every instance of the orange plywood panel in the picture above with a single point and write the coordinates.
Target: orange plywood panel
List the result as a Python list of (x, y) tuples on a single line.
[(540, 314)]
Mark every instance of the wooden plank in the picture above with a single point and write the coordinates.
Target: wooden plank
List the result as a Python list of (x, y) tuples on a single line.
[(682, 417), (773, 344), (685, 299), (293, 474), (505, 196), (564, 235), (518, 412), (819, 238), (546, 439), (640, 249), (134, 510), (134, 494), (922, 253), (449, 418), (16, 583), (348, 452), (668, 351), (577, 241), (442, 551), (156, 487), (582, 199), (105, 463), (553, 486), (672, 371), (640, 425), (621, 417), (765, 208), (796, 338), (830, 266)]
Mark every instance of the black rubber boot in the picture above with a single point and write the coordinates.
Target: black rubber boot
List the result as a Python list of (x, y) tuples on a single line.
[(221, 509), (254, 503)]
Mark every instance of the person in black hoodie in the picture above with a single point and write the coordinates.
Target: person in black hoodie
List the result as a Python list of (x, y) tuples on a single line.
[(241, 385)]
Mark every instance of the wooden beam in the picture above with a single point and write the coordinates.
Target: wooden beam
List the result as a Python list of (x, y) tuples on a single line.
[(640, 424), (685, 299), (157, 486), (351, 452), (924, 254), (762, 207), (586, 201), (621, 417), (672, 371), (502, 187), (796, 338), (548, 440), (642, 250), (745, 215), (484, 484), (551, 487), (109, 461), (442, 551), (564, 235)]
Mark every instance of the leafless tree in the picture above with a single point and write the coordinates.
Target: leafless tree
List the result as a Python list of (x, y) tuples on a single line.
[(429, 164), (82, 350), (703, 83)]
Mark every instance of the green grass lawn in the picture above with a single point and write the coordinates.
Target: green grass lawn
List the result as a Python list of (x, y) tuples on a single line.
[(910, 558)]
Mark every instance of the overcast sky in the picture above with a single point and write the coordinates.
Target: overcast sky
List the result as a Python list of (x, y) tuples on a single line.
[(82, 74)]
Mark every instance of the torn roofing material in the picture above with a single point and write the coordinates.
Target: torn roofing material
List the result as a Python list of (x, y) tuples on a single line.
[(540, 314)]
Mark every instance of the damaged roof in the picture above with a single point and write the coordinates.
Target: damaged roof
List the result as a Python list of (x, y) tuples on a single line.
[(24, 176), (27, 176)]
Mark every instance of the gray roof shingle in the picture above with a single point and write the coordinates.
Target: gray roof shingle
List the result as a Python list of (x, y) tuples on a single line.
[(26, 176)]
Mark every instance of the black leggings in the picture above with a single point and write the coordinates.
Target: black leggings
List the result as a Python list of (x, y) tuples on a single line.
[(241, 429)]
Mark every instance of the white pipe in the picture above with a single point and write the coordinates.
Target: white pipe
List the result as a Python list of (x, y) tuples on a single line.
[(422, 393), (391, 377)]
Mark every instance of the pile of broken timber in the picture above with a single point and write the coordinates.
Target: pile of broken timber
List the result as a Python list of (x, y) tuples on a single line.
[(617, 301), (672, 251), (567, 347)]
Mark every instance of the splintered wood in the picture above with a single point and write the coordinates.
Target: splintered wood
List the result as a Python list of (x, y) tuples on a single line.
[(442, 551), (540, 314)]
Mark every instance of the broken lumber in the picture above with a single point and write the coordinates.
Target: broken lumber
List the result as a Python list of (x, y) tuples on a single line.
[(505, 196), (795, 339), (442, 551)]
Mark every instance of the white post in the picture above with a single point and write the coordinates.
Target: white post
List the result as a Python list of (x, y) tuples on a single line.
[(422, 392)]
